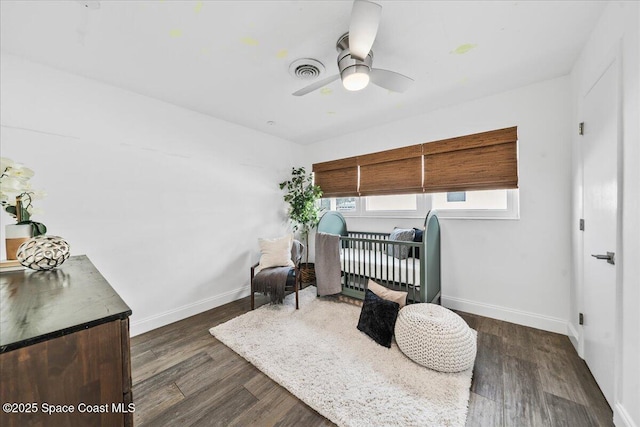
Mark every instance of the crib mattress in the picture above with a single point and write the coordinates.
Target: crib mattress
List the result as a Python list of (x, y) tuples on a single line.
[(379, 265)]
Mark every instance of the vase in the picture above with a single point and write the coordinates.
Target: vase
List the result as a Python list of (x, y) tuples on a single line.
[(43, 252), (16, 234)]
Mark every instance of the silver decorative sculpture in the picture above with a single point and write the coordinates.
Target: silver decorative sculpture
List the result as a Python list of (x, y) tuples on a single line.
[(43, 252)]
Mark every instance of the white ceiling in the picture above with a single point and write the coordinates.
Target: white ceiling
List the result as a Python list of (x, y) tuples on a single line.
[(230, 59)]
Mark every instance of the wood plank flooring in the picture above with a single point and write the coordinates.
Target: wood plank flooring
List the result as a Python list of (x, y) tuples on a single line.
[(183, 376)]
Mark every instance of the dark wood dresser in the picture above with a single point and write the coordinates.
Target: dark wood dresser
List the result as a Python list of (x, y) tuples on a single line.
[(64, 349)]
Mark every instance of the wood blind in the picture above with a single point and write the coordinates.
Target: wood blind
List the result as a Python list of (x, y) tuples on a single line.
[(482, 161), (396, 171), (337, 178)]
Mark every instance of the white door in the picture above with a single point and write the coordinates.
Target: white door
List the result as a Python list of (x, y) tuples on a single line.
[(600, 168)]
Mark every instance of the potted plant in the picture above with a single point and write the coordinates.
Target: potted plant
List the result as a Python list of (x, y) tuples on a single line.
[(302, 196), (16, 198)]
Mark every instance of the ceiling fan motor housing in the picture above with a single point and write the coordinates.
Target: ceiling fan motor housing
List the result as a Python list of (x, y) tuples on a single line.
[(347, 64)]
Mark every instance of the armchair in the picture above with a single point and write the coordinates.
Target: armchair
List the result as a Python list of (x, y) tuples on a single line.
[(275, 281)]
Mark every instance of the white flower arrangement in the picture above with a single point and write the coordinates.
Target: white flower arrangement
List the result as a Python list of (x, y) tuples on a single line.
[(16, 194)]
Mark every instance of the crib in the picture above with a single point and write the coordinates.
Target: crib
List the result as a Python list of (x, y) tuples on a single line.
[(366, 255)]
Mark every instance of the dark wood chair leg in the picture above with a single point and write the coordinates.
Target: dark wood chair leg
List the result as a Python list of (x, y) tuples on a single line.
[(297, 284), (251, 286)]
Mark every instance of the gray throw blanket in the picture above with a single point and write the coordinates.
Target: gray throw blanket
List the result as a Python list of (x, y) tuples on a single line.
[(328, 264), (272, 281)]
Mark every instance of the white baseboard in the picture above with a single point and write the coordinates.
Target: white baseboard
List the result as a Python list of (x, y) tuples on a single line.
[(621, 417), (519, 317), (152, 322), (574, 337)]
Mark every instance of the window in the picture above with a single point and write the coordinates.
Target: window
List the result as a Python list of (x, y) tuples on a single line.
[(477, 204), (488, 204), (481, 161), (340, 204), (396, 205), (457, 196), (346, 204), (401, 202), (401, 206), (490, 199), (470, 176)]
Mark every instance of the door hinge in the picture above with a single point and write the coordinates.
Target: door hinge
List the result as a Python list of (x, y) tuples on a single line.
[(581, 224), (581, 318), (581, 128)]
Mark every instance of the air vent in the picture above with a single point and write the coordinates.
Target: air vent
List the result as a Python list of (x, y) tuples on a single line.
[(306, 69)]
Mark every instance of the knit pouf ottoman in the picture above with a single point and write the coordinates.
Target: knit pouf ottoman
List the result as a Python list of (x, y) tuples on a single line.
[(435, 337)]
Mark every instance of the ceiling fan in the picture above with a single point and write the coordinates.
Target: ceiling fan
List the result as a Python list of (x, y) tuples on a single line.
[(355, 55)]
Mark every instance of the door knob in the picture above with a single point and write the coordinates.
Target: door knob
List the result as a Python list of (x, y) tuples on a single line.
[(609, 257)]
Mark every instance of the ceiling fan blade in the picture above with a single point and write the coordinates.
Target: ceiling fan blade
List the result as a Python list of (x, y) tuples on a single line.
[(390, 80), (315, 86), (365, 18)]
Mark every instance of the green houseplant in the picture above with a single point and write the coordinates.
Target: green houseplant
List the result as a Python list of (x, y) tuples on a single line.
[(302, 195)]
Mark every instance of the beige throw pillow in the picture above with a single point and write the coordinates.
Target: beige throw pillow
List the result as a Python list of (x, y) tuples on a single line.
[(275, 252), (388, 294)]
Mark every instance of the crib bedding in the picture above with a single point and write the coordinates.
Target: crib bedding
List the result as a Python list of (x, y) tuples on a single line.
[(379, 265)]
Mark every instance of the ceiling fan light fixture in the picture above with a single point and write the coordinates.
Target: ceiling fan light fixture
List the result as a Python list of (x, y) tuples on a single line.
[(355, 78)]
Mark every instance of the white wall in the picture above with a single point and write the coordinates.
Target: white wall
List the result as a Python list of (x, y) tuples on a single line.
[(166, 202), (615, 35), (516, 270)]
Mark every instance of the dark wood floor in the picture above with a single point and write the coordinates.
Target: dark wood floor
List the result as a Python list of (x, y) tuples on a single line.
[(183, 376)]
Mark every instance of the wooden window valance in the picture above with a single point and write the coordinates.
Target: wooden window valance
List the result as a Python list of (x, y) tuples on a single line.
[(337, 178), (396, 171), (482, 161)]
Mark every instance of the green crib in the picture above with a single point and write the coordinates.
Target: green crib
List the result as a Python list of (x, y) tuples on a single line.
[(366, 255)]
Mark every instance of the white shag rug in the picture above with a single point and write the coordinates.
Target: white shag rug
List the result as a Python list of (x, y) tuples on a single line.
[(319, 355)]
